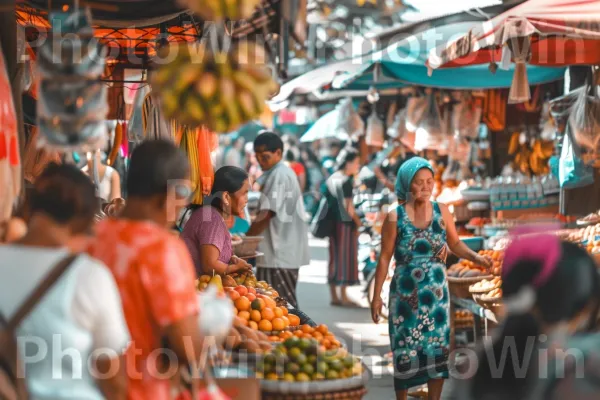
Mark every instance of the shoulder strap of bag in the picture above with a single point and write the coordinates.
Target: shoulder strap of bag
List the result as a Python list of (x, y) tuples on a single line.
[(39, 291)]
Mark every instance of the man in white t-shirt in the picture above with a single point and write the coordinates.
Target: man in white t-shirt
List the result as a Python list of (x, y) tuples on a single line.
[(76, 332), (280, 220)]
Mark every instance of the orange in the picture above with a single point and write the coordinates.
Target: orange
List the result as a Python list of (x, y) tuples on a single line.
[(323, 329), (307, 336), (244, 315), (275, 293), (253, 325), (286, 321), (252, 290), (242, 290), (326, 343), (285, 311), (278, 324), (294, 320), (286, 335), (268, 314), (278, 312), (258, 304), (255, 315), (268, 301), (233, 295), (242, 304), (273, 338), (298, 333), (307, 329), (265, 326), (251, 297), (317, 335), (241, 321)]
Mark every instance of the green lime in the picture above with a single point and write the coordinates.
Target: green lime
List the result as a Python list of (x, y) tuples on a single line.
[(348, 361), (270, 358), (331, 375), (322, 367), (301, 358), (302, 377), (308, 369), (293, 353), (304, 344), (318, 377), (291, 342), (292, 368), (287, 377), (312, 359), (336, 365), (256, 305)]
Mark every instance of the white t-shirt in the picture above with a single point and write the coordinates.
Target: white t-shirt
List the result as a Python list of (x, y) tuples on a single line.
[(81, 313)]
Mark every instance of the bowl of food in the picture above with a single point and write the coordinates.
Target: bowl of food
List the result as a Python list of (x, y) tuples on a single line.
[(247, 247)]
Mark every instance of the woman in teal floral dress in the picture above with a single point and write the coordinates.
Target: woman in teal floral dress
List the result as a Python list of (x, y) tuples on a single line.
[(418, 234)]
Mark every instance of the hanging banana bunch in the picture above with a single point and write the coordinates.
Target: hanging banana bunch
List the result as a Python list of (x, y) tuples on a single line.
[(530, 157), (219, 90)]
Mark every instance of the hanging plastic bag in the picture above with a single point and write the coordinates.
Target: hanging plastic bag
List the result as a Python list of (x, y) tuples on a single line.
[(584, 123), (572, 170), (547, 127), (397, 129), (349, 122), (135, 127), (375, 136), (466, 117), (430, 131), (415, 109)]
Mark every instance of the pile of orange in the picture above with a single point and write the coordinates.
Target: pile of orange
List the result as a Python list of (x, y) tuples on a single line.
[(260, 312), (321, 334)]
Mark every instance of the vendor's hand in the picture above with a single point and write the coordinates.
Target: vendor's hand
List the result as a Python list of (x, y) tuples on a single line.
[(376, 306), (484, 261), (238, 265)]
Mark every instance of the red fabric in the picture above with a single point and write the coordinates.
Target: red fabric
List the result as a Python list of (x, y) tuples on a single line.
[(207, 173), (298, 168), (156, 279)]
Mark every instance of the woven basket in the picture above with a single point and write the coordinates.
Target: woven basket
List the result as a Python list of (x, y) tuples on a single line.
[(481, 291), (459, 287), (494, 305), (247, 247), (350, 394)]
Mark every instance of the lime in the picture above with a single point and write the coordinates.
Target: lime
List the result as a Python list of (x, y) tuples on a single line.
[(292, 368), (332, 375), (291, 342), (304, 344), (348, 361), (308, 369), (312, 359), (270, 359), (301, 358), (302, 377), (294, 353), (318, 377), (288, 377), (322, 367), (336, 365)]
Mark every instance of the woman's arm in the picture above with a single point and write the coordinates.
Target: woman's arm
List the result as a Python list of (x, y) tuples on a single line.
[(115, 385), (349, 204), (115, 186), (209, 259), (456, 245), (383, 179), (389, 232)]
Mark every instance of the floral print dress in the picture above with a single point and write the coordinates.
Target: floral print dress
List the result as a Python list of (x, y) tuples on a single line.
[(419, 322)]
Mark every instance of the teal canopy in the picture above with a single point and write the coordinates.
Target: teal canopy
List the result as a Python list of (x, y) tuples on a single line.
[(403, 63)]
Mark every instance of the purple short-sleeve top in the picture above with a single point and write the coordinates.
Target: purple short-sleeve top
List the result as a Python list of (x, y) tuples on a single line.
[(207, 227)]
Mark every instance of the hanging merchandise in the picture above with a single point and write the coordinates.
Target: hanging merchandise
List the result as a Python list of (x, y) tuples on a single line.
[(466, 116), (221, 90), (572, 171), (391, 114), (72, 101), (430, 131), (397, 129), (153, 124), (348, 121), (415, 109), (36, 158), (10, 162), (116, 144), (458, 160), (584, 122), (532, 105), (189, 144), (135, 127), (375, 136), (215, 10), (547, 127), (494, 110), (205, 165)]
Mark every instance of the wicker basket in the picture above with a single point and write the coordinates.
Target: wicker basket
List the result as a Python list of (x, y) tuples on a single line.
[(494, 305), (247, 247), (346, 389), (350, 394), (459, 287)]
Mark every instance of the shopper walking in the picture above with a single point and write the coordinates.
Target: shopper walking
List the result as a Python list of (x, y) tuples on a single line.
[(280, 220), (551, 295), (343, 243), (206, 234), (152, 267), (418, 234), (82, 309)]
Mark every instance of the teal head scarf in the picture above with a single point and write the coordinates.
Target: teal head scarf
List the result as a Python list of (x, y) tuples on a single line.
[(406, 173)]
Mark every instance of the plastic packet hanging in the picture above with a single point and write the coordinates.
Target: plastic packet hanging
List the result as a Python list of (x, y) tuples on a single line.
[(397, 129), (375, 136), (572, 170), (348, 119), (547, 127), (430, 131), (584, 123), (415, 109), (135, 127), (466, 116)]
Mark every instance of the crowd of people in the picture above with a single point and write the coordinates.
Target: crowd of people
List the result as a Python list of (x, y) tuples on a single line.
[(126, 285)]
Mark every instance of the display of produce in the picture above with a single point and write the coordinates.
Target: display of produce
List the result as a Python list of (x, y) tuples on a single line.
[(244, 338), (486, 285), (219, 90), (479, 222), (468, 269), (530, 156), (590, 219), (463, 319), (220, 10), (492, 295), (302, 360), (321, 334)]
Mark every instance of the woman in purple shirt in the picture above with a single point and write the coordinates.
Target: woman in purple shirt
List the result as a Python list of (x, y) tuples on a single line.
[(206, 234)]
